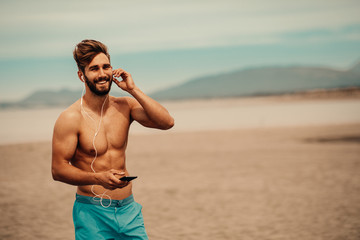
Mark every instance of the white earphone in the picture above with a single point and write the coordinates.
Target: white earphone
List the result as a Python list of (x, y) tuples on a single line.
[(102, 195)]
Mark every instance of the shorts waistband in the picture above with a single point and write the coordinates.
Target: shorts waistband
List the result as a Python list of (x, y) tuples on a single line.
[(105, 202)]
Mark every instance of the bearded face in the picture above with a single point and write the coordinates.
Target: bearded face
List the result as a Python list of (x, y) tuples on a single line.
[(98, 75), (99, 86)]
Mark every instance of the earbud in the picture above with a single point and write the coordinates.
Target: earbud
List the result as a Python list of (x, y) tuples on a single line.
[(103, 195)]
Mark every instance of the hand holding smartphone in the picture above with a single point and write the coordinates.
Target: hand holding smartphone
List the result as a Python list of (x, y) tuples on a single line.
[(128, 178)]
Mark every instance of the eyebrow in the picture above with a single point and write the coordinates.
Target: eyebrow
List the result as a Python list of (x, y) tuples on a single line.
[(93, 66), (96, 66)]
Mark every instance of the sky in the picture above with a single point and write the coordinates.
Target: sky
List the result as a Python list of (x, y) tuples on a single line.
[(164, 43)]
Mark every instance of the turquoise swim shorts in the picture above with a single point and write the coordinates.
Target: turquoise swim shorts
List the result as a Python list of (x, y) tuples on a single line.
[(121, 220)]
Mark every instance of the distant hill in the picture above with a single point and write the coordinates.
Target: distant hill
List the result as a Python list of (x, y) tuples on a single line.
[(62, 97), (248, 82), (263, 81), (355, 68), (45, 98)]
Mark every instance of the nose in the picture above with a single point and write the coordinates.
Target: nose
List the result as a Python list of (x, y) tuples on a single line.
[(102, 73)]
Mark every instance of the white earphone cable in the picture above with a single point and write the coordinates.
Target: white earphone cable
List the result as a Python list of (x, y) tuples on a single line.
[(97, 130)]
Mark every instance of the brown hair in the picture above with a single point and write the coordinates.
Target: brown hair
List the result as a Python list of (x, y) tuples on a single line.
[(86, 50)]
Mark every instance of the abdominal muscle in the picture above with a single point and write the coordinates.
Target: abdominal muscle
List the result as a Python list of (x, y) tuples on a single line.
[(111, 142), (102, 163)]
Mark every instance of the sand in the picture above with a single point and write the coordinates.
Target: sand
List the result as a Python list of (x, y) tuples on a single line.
[(289, 182)]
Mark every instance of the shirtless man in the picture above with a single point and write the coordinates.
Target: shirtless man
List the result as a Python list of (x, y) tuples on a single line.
[(89, 142)]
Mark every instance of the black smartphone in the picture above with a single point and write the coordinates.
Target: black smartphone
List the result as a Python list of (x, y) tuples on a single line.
[(128, 178)]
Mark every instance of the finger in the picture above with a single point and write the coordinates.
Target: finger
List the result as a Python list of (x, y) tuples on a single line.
[(115, 181), (128, 78), (111, 187), (115, 171), (123, 184), (118, 172), (122, 85), (117, 74), (119, 71), (124, 74), (118, 175), (116, 81)]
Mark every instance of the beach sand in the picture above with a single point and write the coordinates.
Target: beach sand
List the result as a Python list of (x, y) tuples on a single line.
[(257, 168), (269, 183)]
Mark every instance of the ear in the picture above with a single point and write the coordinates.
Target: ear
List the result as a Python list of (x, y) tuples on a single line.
[(81, 76)]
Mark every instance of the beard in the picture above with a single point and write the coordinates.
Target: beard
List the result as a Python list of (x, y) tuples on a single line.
[(92, 85)]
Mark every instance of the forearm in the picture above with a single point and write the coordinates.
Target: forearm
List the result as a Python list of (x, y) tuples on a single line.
[(72, 175), (154, 110)]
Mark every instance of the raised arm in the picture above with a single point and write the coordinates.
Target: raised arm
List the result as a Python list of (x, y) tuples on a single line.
[(65, 140), (145, 110)]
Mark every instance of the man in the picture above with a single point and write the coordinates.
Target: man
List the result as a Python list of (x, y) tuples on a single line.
[(89, 142)]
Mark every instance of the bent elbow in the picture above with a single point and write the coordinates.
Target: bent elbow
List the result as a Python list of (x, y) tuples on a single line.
[(169, 124), (172, 123), (55, 175)]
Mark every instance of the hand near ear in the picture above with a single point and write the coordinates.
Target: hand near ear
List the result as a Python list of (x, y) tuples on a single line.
[(127, 84)]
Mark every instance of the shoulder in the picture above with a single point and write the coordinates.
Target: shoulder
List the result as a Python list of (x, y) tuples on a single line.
[(71, 114), (70, 118), (124, 102)]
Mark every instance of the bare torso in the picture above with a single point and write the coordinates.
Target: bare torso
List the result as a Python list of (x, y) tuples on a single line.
[(110, 144)]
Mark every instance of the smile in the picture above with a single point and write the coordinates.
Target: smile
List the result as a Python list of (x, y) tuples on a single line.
[(102, 82)]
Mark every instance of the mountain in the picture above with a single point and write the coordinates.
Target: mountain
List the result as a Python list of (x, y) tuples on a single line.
[(262, 81), (62, 97), (355, 68), (43, 98), (248, 82)]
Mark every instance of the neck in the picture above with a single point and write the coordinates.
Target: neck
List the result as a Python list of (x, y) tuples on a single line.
[(95, 102)]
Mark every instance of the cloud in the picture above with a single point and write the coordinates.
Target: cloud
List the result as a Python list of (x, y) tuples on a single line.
[(52, 28)]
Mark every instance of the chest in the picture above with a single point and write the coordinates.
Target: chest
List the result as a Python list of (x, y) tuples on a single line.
[(112, 133)]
